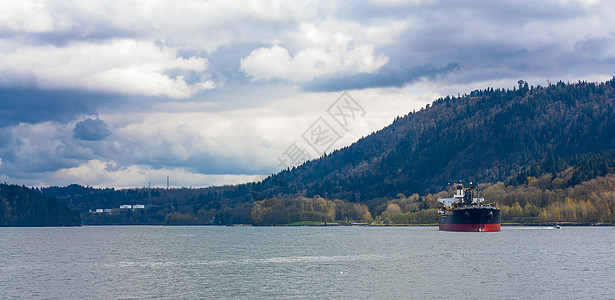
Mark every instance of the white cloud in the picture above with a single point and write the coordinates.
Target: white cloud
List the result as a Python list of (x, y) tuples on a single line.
[(324, 52), (252, 138), (191, 24), (12, 16), (233, 140), (267, 63), (123, 66), (329, 48)]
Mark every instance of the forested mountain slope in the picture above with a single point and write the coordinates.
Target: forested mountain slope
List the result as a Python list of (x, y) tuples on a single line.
[(486, 136)]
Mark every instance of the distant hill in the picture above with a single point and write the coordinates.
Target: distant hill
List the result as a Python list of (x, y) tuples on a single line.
[(21, 206), (486, 136)]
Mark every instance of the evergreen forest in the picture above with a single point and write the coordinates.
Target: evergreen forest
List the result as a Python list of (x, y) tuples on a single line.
[(21, 206)]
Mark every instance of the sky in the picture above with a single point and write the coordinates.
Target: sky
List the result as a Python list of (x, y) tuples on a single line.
[(125, 93)]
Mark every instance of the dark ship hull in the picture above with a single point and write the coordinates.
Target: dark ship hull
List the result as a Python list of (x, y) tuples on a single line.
[(471, 218)]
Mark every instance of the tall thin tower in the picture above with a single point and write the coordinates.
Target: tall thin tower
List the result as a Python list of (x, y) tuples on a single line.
[(167, 182)]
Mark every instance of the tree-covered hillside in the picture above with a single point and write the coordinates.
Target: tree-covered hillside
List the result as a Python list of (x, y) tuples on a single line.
[(486, 136), (21, 206), (562, 133)]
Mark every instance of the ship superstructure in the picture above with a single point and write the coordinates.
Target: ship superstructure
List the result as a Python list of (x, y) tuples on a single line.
[(466, 211)]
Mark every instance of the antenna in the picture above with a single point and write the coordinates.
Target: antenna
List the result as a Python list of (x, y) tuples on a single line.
[(167, 182)]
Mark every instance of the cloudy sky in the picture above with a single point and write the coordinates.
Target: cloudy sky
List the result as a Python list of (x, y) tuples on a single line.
[(125, 93)]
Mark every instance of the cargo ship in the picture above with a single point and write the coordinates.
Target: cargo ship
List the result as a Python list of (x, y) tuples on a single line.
[(465, 211)]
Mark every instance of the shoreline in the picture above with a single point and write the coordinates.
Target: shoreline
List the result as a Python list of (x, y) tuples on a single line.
[(569, 224)]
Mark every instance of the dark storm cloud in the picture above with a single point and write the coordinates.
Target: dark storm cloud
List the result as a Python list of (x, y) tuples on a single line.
[(388, 77), (36, 106), (91, 130), (5, 137), (21, 105), (509, 13), (483, 41), (28, 149)]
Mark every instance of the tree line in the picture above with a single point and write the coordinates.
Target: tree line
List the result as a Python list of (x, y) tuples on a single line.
[(543, 200), (276, 211), (21, 206), (548, 198)]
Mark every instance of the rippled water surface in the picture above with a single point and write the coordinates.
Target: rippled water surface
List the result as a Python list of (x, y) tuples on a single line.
[(306, 263)]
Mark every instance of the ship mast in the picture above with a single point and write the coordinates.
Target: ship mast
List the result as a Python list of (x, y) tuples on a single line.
[(477, 195)]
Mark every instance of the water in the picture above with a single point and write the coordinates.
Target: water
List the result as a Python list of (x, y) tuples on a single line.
[(306, 263)]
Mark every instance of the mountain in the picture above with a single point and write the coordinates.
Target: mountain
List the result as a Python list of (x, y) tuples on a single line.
[(21, 206), (537, 151), (486, 136)]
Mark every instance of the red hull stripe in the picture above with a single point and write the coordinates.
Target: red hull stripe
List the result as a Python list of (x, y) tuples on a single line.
[(470, 227)]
